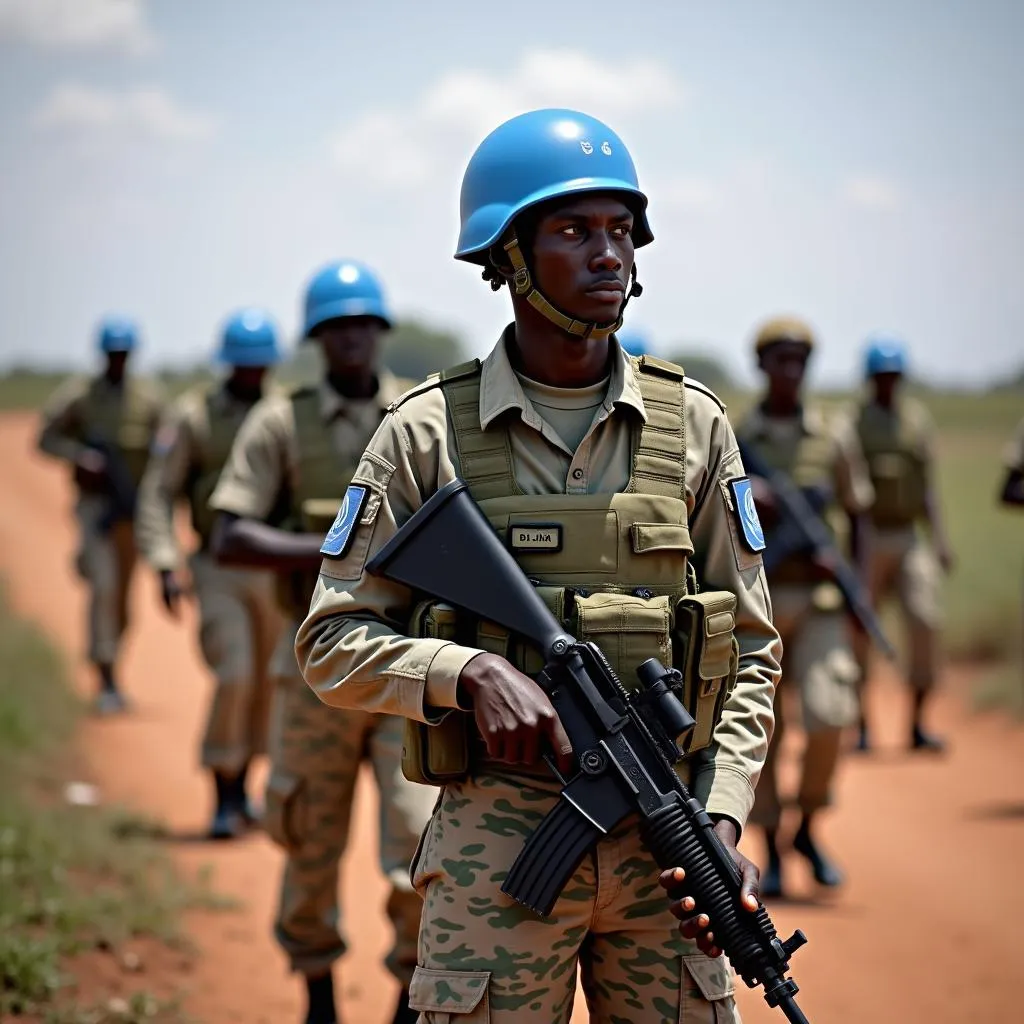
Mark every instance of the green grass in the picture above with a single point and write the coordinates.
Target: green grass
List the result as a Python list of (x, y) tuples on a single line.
[(72, 879)]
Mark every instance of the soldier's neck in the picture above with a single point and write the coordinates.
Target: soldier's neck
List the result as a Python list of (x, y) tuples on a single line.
[(352, 385), (781, 406), (546, 354)]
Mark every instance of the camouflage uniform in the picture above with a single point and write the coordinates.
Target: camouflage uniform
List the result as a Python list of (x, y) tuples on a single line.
[(809, 615), (482, 957), (898, 446), (290, 464), (85, 413), (239, 618)]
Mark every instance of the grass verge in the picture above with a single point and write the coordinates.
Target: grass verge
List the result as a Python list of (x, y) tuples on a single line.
[(76, 883)]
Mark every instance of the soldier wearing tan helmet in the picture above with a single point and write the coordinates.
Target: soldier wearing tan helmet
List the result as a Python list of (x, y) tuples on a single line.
[(819, 674)]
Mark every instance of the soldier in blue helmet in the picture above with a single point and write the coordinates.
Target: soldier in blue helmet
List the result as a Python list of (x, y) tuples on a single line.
[(634, 342), (103, 427), (909, 543), (634, 469), (280, 490), (239, 621)]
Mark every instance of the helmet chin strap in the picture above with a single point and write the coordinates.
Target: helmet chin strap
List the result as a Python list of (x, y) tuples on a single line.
[(522, 283)]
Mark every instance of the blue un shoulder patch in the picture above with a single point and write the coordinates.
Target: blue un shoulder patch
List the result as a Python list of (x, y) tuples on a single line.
[(746, 514), (340, 534)]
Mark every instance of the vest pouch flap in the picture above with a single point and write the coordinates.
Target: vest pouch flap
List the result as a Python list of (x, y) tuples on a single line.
[(318, 514), (628, 629), (708, 659), (660, 537)]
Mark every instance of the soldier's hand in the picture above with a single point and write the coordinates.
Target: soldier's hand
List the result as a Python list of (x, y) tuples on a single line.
[(513, 714), (698, 927), (91, 470), (764, 499), (171, 591)]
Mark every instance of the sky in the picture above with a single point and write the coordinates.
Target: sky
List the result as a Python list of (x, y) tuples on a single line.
[(860, 164)]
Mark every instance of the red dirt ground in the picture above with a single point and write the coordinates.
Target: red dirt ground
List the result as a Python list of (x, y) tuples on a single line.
[(928, 928)]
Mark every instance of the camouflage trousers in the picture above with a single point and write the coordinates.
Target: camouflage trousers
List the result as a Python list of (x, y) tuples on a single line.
[(316, 753), (819, 680), (106, 561), (239, 623), (904, 565), (484, 959)]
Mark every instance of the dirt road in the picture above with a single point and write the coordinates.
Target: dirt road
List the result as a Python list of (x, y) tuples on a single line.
[(928, 928)]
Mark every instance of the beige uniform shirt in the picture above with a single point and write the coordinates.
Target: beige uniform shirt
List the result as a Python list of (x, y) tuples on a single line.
[(175, 458), (264, 460), (853, 489), (352, 646), (64, 420)]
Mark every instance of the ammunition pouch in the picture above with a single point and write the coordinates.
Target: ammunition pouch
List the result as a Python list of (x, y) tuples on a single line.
[(708, 658)]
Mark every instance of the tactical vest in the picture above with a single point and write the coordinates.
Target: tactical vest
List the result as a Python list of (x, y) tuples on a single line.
[(322, 476), (614, 568), (897, 464), (213, 437), (808, 459), (124, 417)]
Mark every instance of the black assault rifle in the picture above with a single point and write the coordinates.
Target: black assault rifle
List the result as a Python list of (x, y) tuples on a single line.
[(625, 745), (802, 529), (121, 492)]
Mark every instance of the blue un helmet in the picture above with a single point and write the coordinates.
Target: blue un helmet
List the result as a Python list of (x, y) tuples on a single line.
[(534, 157), (249, 338), (344, 288), (885, 354), (634, 342), (117, 334)]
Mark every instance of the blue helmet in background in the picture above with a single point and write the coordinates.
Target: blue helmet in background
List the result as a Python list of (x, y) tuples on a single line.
[(635, 342), (885, 354), (537, 156), (117, 334), (249, 338), (344, 288)]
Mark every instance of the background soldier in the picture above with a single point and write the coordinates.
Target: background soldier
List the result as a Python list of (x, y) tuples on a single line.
[(896, 433), (238, 614), (632, 465), (280, 490), (807, 609), (103, 427), (1013, 485)]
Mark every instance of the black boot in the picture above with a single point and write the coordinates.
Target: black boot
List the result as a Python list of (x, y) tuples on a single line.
[(109, 701), (403, 1014), (228, 822), (863, 738), (771, 879), (925, 742), (320, 1000), (239, 797), (825, 872)]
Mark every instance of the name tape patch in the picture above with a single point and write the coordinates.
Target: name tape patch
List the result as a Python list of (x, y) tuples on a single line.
[(340, 534), (746, 514), (545, 537)]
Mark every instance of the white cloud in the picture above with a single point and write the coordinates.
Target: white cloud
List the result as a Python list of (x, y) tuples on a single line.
[(405, 146), (871, 192), (77, 24), (144, 111)]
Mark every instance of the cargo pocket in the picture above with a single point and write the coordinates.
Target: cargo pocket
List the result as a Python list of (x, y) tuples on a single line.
[(706, 991), (284, 816), (450, 997), (628, 629)]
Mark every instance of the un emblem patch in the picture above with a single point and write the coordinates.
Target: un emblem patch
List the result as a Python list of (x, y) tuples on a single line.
[(746, 514), (340, 534)]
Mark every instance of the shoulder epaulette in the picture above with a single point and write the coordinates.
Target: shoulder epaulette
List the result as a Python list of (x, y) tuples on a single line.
[(659, 367), (436, 380), (704, 390)]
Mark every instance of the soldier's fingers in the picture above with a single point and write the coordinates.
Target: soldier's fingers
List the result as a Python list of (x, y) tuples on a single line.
[(557, 735), (749, 887), (671, 879)]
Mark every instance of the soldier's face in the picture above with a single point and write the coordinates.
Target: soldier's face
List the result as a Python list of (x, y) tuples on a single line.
[(248, 380), (785, 366), (885, 386), (350, 345), (582, 255), (116, 362)]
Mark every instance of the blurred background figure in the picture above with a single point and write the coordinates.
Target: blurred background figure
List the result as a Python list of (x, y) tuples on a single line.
[(635, 341), (897, 435), (103, 428), (239, 620), (819, 673), (280, 491), (1013, 484)]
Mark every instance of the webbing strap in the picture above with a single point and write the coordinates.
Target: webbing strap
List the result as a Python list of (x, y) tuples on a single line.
[(485, 456), (522, 282), (659, 460)]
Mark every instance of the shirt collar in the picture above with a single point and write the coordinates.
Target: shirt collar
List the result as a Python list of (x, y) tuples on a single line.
[(501, 391), (332, 404)]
